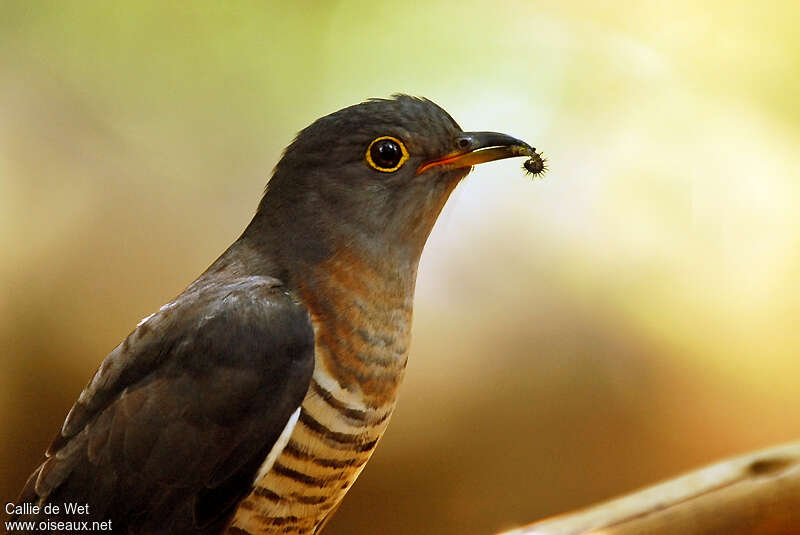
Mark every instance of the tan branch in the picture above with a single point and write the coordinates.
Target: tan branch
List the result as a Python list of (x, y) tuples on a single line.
[(757, 493)]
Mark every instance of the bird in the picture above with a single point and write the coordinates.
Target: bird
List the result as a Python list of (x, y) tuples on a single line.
[(251, 402)]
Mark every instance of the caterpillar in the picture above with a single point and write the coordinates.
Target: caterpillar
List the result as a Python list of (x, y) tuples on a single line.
[(535, 165)]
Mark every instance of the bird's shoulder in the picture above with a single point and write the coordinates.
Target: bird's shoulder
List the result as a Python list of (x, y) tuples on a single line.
[(247, 322)]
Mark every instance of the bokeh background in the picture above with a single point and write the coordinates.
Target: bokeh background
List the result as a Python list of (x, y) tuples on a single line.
[(630, 316)]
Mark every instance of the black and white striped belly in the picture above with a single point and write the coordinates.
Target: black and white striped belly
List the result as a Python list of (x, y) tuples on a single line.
[(334, 436)]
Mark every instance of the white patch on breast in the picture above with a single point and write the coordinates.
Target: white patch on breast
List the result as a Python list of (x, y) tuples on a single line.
[(353, 400), (276, 450)]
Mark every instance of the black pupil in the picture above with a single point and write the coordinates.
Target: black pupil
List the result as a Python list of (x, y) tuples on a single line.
[(386, 153)]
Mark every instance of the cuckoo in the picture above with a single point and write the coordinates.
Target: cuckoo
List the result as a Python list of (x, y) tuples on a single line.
[(251, 402)]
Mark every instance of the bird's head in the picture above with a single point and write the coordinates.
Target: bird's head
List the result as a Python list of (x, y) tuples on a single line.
[(373, 176)]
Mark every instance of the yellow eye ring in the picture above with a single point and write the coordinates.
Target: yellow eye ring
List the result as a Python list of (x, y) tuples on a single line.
[(386, 154)]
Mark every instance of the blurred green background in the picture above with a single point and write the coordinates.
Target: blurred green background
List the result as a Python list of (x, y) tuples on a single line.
[(631, 316)]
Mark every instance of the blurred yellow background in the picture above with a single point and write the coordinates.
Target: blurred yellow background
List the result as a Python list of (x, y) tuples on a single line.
[(630, 316)]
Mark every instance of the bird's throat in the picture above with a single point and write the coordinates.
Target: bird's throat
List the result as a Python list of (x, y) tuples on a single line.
[(362, 319)]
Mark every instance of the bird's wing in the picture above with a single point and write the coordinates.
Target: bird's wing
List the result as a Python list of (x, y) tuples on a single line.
[(174, 425)]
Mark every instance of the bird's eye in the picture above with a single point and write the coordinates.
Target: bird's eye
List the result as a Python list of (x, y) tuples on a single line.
[(386, 154)]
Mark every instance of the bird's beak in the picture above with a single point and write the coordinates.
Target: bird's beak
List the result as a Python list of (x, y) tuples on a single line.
[(479, 147)]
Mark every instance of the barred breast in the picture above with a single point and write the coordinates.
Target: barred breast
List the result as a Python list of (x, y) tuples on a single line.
[(362, 336)]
